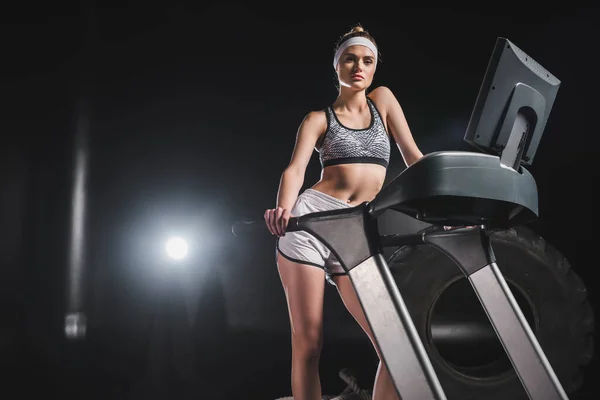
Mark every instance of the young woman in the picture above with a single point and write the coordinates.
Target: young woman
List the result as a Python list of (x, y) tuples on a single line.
[(353, 139)]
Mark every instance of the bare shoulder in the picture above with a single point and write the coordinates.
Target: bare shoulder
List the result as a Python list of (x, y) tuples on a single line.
[(315, 122), (383, 97), (315, 118)]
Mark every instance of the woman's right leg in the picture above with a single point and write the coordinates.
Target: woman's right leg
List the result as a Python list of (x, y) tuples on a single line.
[(304, 287)]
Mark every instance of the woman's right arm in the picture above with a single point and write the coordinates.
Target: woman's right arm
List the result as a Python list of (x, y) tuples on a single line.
[(292, 178)]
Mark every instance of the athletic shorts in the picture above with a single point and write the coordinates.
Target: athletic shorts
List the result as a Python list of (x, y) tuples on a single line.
[(304, 248)]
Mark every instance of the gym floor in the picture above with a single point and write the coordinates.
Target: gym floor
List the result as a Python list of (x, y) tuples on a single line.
[(249, 366)]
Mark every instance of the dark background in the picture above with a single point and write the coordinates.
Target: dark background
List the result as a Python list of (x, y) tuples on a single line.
[(193, 112)]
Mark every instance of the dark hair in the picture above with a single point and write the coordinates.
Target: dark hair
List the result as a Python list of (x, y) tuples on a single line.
[(357, 30)]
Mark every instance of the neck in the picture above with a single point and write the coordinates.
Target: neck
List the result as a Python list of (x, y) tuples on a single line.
[(351, 100)]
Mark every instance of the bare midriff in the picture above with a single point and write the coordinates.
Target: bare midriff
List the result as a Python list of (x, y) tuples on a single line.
[(352, 183)]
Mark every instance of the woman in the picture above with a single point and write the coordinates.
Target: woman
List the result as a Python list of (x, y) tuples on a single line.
[(352, 139)]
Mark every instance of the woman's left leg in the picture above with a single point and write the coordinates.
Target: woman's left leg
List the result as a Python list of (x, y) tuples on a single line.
[(383, 387)]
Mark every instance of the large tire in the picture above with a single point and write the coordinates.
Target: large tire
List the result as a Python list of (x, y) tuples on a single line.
[(550, 293)]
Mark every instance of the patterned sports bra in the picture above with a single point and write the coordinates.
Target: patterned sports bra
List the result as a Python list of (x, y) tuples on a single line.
[(342, 145)]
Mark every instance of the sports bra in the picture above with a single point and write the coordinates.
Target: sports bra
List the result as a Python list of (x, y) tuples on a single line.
[(343, 145)]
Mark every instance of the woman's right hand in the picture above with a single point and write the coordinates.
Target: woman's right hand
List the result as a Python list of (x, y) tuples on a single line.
[(277, 220)]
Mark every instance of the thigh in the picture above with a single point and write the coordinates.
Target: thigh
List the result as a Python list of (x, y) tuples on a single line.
[(352, 303), (304, 287)]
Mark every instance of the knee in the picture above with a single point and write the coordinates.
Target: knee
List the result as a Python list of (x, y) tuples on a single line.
[(308, 342)]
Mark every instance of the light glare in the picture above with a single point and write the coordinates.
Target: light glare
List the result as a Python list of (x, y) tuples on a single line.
[(176, 248)]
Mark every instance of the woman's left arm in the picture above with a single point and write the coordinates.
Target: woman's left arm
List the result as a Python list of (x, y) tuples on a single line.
[(397, 124)]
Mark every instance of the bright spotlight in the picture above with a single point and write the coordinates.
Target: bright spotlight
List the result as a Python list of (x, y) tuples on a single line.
[(176, 248)]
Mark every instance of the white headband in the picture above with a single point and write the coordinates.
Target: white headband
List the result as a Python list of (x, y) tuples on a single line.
[(357, 40)]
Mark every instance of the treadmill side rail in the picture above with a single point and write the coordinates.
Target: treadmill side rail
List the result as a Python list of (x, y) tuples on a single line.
[(402, 350)]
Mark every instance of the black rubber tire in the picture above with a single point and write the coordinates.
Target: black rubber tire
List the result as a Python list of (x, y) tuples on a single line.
[(564, 320)]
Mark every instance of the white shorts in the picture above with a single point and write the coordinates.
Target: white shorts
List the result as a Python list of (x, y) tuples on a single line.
[(302, 247)]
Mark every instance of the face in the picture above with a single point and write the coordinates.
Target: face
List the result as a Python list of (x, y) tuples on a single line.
[(356, 67)]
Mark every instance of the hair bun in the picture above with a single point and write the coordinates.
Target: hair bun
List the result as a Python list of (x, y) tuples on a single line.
[(357, 28)]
